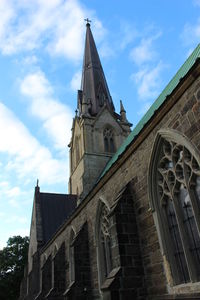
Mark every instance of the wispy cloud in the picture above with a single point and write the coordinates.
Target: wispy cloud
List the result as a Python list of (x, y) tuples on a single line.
[(106, 50), (56, 24), (16, 219), (148, 81), (27, 158), (7, 13), (191, 34), (128, 34), (76, 81), (148, 67), (196, 2), (147, 77), (145, 51), (56, 117), (30, 60), (12, 193)]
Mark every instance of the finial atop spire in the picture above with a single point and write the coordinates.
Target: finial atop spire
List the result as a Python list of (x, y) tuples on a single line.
[(37, 188), (87, 22)]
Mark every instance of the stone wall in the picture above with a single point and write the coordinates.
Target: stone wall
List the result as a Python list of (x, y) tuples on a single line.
[(145, 261)]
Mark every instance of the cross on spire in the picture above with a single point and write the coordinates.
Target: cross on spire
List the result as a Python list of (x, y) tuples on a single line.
[(87, 21)]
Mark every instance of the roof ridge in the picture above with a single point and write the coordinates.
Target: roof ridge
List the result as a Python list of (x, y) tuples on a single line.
[(182, 71)]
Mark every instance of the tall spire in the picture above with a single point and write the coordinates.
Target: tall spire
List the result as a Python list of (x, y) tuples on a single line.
[(94, 89)]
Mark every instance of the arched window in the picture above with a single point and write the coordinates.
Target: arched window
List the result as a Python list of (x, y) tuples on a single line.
[(71, 257), (104, 242), (108, 140), (175, 196), (77, 150), (59, 270)]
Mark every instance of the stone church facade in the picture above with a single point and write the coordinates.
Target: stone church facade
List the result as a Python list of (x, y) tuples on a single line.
[(130, 226)]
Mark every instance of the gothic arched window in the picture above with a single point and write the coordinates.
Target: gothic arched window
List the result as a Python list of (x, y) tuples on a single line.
[(77, 149), (108, 137), (175, 196), (104, 242)]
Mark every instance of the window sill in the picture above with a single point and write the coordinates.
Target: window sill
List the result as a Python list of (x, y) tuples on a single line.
[(114, 274), (192, 288), (69, 288)]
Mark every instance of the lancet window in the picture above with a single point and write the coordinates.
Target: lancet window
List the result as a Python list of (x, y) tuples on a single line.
[(108, 140), (104, 243), (77, 150), (177, 201)]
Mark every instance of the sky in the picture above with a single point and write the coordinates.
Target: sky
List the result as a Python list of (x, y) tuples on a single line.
[(141, 46)]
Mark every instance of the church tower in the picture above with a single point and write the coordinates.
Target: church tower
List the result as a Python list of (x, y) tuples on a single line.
[(97, 130)]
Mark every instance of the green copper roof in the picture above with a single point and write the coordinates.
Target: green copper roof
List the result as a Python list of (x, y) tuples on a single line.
[(160, 100)]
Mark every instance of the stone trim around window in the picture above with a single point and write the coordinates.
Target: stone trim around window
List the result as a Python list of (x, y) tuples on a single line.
[(174, 194), (102, 233)]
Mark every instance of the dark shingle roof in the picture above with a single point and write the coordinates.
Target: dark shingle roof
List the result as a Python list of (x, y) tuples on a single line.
[(55, 209)]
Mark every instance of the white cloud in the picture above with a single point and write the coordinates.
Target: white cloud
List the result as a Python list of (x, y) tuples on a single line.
[(144, 52), (56, 117), (76, 81), (7, 13), (13, 192), (196, 2), (30, 60), (27, 158), (57, 24), (128, 34), (4, 184), (191, 33), (16, 219), (148, 81), (10, 193), (106, 51), (147, 77)]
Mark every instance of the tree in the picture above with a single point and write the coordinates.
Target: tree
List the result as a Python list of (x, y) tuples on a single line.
[(12, 261)]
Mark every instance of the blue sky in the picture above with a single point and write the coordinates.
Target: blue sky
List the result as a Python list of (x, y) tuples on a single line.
[(141, 44)]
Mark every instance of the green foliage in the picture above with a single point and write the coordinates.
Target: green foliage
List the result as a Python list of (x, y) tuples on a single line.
[(12, 261)]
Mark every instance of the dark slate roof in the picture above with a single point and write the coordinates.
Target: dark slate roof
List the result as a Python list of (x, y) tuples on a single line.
[(55, 209), (182, 72), (93, 83)]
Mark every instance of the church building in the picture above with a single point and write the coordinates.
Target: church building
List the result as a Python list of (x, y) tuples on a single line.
[(130, 226)]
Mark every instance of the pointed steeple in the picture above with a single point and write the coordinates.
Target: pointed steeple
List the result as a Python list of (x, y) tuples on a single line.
[(94, 89), (123, 112)]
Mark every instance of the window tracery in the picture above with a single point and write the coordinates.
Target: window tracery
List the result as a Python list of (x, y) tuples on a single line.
[(108, 140), (178, 196), (104, 242)]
